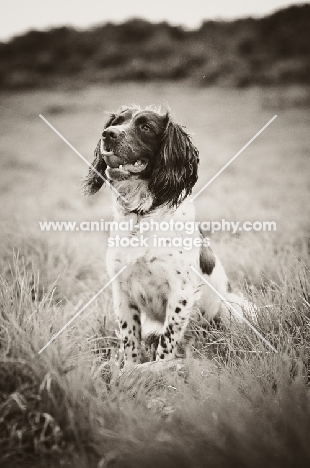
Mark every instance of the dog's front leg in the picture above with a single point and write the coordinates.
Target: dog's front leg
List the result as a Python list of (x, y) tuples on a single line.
[(177, 317), (130, 329)]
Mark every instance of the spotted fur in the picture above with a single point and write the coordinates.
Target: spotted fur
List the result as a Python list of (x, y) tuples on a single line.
[(153, 163)]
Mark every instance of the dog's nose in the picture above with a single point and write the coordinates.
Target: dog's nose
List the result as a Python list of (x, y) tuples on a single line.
[(111, 133)]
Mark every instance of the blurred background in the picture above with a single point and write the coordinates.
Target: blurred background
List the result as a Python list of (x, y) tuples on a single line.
[(129, 46), (224, 70)]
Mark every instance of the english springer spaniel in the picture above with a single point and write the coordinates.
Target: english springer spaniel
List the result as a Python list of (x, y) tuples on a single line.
[(153, 164)]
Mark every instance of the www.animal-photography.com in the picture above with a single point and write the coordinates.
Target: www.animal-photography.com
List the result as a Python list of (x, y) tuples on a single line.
[(155, 236)]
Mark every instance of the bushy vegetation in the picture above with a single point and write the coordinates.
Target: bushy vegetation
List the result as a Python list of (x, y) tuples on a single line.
[(270, 50)]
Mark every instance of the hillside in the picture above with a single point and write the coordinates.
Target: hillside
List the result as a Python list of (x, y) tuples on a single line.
[(270, 50)]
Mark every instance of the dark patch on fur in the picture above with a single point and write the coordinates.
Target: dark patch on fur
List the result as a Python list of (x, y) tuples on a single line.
[(162, 341), (93, 181), (206, 260), (137, 319), (175, 170)]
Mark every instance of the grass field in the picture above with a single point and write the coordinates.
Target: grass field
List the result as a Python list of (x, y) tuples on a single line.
[(233, 402)]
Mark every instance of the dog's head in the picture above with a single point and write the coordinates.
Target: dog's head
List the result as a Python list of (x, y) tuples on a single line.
[(145, 145)]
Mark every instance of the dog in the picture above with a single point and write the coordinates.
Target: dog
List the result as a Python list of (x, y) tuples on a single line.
[(152, 164)]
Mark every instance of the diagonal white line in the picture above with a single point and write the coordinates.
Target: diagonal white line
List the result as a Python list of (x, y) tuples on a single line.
[(80, 311), (82, 157), (233, 158), (235, 311)]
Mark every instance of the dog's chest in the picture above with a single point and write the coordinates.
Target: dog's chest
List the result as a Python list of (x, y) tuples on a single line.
[(154, 239)]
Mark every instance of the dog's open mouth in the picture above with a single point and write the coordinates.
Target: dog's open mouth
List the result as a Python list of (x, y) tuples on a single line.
[(117, 170), (105, 150), (137, 166), (116, 163)]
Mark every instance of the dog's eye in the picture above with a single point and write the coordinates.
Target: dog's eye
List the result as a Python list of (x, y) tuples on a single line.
[(145, 127)]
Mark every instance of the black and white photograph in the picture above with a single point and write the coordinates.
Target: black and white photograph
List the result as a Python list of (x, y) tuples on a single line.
[(155, 234)]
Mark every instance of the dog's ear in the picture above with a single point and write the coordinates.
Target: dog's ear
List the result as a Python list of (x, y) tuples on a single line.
[(176, 167), (94, 180)]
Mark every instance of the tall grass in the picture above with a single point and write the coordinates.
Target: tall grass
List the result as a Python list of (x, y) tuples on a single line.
[(231, 402)]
